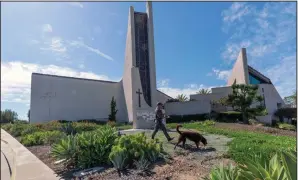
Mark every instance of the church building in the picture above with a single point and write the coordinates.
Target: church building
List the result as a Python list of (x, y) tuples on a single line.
[(68, 98)]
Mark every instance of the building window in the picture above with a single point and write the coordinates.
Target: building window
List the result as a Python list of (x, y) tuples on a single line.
[(255, 80)]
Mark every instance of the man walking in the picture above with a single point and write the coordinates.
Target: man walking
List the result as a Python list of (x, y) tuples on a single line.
[(159, 117)]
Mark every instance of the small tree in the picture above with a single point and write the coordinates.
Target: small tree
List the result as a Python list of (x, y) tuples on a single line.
[(28, 115), (113, 105), (241, 99), (182, 98), (292, 100), (8, 116), (203, 91)]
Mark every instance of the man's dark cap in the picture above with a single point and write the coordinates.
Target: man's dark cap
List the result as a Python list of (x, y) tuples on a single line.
[(159, 103)]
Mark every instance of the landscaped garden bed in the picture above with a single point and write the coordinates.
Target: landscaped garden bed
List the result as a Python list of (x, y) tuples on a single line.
[(135, 156)]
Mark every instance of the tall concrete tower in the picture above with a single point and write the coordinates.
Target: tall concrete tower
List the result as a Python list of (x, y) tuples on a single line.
[(139, 79)]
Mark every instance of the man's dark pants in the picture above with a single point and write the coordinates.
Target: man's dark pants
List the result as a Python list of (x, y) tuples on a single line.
[(160, 125)]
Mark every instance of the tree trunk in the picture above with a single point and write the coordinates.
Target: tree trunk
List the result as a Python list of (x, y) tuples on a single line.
[(244, 118)]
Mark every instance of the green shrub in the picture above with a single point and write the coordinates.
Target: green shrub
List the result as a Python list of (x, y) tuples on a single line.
[(286, 126), (68, 129), (17, 129), (42, 138), (7, 126), (111, 123), (30, 129), (286, 112), (94, 121), (187, 118), (50, 126), (229, 116), (20, 122), (207, 123), (87, 149), (83, 127), (20, 129), (134, 147)]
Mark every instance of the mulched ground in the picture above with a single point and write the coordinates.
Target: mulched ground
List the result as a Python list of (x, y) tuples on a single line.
[(256, 128)]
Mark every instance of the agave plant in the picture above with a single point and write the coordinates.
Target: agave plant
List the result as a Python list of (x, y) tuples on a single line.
[(118, 157), (289, 161), (279, 167), (142, 164), (66, 150), (225, 173), (68, 129)]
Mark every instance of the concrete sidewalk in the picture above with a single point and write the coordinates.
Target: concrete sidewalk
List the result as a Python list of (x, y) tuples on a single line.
[(26, 165), (5, 167)]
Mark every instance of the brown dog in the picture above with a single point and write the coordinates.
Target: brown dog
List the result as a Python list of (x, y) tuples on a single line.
[(193, 136)]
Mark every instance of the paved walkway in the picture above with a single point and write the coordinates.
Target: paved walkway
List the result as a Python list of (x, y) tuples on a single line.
[(25, 165)]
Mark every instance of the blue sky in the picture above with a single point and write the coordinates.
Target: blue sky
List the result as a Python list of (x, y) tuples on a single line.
[(196, 43)]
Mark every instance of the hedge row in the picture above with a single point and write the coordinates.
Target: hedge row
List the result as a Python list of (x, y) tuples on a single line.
[(230, 116)]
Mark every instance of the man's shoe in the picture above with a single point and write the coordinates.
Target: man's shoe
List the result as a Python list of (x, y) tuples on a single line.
[(170, 139)]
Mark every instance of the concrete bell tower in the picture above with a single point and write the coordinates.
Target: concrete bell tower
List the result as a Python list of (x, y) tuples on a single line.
[(139, 79)]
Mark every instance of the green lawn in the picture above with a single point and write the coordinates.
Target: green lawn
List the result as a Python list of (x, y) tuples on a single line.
[(246, 143)]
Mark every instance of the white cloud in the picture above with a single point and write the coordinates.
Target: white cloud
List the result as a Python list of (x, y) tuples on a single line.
[(283, 75), (188, 89), (76, 4), (89, 48), (47, 28), (57, 46), (265, 29), (236, 12), (16, 78), (163, 83), (232, 50), (271, 33), (222, 74)]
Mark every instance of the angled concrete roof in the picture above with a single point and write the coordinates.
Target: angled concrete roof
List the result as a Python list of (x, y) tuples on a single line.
[(259, 75), (241, 71), (85, 79)]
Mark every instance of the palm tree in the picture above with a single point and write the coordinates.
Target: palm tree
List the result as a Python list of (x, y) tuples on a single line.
[(204, 91), (182, 98)]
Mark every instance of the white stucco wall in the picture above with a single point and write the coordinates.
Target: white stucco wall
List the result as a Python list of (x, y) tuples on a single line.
[(161, 97), (74, 99), (187, 108), (272, 97)]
